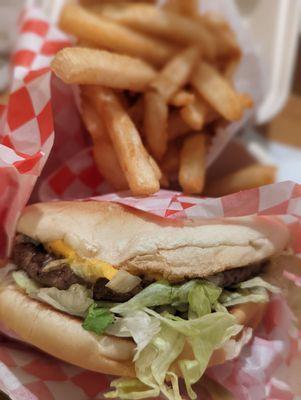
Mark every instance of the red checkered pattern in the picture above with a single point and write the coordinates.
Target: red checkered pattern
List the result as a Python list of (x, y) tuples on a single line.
[(40, 104), (26, 126)]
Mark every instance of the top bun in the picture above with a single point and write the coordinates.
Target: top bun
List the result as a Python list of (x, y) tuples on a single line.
[(152, 246)]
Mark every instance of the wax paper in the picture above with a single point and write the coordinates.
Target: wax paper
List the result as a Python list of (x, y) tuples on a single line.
[(40, 105)]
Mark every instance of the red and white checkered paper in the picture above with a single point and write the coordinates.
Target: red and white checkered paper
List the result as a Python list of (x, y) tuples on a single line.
[(39, 105)]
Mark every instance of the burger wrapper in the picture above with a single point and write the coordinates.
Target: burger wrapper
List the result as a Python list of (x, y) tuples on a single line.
[(40, 104)]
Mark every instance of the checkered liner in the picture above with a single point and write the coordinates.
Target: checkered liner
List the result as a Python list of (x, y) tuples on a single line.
[(39, 105)]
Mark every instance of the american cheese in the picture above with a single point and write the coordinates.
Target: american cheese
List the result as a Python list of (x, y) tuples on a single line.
[(89, 269)]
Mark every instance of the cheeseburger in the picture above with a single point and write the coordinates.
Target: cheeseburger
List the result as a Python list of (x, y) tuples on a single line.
[(118, 291)]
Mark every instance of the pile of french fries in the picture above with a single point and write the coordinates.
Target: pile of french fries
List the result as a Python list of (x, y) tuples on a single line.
[(155, 85)]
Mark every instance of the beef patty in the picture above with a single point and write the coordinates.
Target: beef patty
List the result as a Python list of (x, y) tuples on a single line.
[(34, 259)]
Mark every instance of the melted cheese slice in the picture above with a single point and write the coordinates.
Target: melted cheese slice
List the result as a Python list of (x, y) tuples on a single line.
[(89, 269)]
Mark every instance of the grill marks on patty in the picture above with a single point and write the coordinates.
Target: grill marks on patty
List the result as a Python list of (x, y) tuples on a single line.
[(32, 258)]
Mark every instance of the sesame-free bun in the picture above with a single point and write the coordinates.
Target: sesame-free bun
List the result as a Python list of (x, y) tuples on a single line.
[(147, 245), (63, 336)]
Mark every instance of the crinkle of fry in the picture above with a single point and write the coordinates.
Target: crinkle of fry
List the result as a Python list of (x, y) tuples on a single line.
[(131, 153), (103, 151), (158, 80)]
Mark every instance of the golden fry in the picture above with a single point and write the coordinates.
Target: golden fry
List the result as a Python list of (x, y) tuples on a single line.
[(79, 22), (192, 164), (91, 66), (176, 127), (127, 143), (162, 23), (246, 100), (176, 73), (195, 114), (198, 113), (156, 168), (217, 91), (230, 68), (224, 35), (93, 120), (189, 7), (182, 98), (108, 164), (103, 151), (250, 177), (155, 123)]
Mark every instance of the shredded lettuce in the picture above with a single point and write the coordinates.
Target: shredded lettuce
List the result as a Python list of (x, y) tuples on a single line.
[(254, 290), (25, 283), (233, 347), (98, 319), (165, 321), (257, 282), (139, 325), (153, 366), (75, 301), (199, 296)]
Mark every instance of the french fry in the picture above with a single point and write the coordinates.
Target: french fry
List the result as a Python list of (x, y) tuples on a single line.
[(176, 73), (195, 114), (250, 177), (224, 35), (188, 7), (93, 2), (108, 164), (93, 121), (246, 100), (198, 113), (127, 143), (176, 126), (77, 21), (162, 23), (171, 161), (103, 151), (155, 123), (230, 68), (155, 166), (182, 98), (91, 66), (217, 91), (192, 164)]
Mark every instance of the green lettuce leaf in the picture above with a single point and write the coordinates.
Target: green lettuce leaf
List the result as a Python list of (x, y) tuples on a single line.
[(156, 294), (202, 298), (74, 301), (131, 389), (254, 290), (198, 296), (139, 325), (98, 319), (257, 282), (153, 364), (255, 295)]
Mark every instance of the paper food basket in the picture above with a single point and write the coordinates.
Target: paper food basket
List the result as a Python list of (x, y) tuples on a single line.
[(40, 105)]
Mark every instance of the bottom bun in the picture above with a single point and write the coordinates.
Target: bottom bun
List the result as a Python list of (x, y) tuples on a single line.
[(63, 337)]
